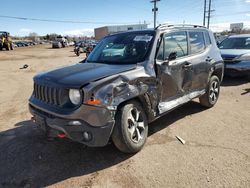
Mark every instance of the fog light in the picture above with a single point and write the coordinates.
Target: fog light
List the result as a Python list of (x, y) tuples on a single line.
[(75, 123), (87, 136)]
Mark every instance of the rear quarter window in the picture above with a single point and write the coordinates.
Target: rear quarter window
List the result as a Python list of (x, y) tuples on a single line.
[(207, 38), (197, 42)]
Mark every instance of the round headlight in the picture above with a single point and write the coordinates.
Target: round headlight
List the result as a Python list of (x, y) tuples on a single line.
[(75, 96)]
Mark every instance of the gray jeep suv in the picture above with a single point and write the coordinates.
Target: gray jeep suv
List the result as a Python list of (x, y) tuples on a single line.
[(129, 80)]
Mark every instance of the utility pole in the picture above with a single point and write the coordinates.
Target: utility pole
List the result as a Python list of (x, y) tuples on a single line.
[(205, 11), (209, 14), (155, 9)]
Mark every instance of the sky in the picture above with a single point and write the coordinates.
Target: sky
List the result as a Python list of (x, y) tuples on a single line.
[(97, 13)]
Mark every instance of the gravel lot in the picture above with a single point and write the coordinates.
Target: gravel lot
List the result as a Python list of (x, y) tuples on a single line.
[(216, 153)]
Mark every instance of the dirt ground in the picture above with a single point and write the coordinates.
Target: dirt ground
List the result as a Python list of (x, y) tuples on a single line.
[(216, 153)]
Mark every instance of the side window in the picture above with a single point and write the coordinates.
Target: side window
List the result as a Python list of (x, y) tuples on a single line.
[(247, 43), (197, 43), (176, 42), (207, 38)]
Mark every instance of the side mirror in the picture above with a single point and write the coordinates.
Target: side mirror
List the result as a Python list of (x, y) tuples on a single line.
[(172, 56)]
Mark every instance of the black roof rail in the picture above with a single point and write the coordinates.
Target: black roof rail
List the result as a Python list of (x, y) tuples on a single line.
[(163, 26)]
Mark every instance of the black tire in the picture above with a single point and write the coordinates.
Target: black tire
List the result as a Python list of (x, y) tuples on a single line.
[(1, 47), (7, 47), (211, 96), (11, 47), (78, 52), (130, 131)]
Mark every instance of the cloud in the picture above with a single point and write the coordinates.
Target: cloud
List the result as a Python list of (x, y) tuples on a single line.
[(247, 14), (79, 32), (218, 27), (247, 1), (25, 30)]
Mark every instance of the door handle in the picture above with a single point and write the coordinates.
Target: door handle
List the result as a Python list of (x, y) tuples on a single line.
[(209, 59), (187, 65)]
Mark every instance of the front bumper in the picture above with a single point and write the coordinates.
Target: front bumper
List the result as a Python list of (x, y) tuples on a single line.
[(74, 128), (238, 69)]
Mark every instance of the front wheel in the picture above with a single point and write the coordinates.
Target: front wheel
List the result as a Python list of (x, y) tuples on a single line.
[(7, 46), (131, 128), (211, 96)]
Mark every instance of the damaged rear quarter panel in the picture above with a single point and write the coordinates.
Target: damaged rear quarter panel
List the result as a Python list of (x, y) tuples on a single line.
[(116, 89)]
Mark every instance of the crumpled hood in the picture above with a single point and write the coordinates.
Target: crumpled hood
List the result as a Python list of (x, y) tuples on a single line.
[(77, 75), (232, 52)]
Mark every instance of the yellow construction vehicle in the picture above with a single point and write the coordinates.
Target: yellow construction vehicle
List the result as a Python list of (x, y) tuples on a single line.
[(5, 41)]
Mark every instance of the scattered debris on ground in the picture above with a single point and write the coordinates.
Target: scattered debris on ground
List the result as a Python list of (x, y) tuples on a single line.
[(181, 140), (25, 66)]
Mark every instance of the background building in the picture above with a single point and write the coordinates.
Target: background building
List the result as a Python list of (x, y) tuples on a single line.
[(107, 30), (236, 26)]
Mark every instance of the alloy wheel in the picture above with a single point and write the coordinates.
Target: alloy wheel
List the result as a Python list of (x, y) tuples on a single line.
[(214, 91), (136, 125)]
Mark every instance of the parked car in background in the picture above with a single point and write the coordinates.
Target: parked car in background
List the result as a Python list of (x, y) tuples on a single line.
[(84, 47), (145, 75), (56, 44), (60, 42), (20, 44), (235, 51), (14, 45)]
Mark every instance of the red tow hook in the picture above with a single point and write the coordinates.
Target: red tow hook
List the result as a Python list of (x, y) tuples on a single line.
[(61, 135)]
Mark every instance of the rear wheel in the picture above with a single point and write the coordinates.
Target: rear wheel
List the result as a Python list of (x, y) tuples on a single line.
[(211, 96), (11, 46), (131, 128), (78, 52)]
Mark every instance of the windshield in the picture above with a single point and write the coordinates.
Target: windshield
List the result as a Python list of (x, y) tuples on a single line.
[(122, 48), (235, 43), (2, 33)]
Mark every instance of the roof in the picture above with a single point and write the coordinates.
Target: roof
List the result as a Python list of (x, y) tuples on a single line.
[(114, 26), (239, 36), (180, 26), (134, 31)]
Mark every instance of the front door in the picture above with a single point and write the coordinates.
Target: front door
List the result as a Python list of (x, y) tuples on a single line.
[(174, 76)]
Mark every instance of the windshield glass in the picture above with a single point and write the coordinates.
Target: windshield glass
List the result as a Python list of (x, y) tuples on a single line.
[(122, 48), (2, 33), (235, 43)]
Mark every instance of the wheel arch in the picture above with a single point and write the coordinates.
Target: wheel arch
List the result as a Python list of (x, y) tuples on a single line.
[(218, 73), (217, 70), (144, 101)]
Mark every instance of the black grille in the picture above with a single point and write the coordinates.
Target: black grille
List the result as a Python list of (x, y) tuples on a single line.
[(48, 94)]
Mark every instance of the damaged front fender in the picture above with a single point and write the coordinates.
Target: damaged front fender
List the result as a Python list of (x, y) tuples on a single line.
[(118, 89)]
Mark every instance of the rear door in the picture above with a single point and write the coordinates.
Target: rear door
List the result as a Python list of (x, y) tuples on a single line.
[(200, 59), (174, 76)]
